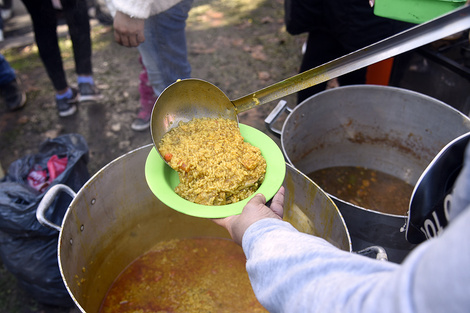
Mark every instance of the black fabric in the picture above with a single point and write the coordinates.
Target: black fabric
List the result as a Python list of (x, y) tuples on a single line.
[(336, 28)]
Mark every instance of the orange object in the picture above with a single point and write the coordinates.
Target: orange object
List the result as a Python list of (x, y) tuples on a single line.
[(168, 157), (379, 73)]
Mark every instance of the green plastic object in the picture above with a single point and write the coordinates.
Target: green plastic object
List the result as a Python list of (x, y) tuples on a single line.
[(162, 179), (415, 11)]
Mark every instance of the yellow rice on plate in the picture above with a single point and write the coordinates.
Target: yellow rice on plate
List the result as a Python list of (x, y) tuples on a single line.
[(214, 163)]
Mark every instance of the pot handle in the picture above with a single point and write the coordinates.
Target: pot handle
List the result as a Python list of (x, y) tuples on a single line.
[(46, 202), (378, 251), (274, 116)]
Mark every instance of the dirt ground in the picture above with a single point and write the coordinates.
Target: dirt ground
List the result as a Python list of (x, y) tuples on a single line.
[(240, 46)]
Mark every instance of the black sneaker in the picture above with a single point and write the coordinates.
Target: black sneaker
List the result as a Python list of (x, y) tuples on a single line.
[(67, 106), (13, 95), (89, 92)]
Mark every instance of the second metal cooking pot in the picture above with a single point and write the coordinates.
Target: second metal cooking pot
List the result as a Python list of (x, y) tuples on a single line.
[(389, 129), (115, 218)]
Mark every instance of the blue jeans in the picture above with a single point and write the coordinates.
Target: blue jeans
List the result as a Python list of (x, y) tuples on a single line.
[(164, 53), (7, 73)]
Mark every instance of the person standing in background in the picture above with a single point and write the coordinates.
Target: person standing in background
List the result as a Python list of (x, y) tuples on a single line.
[(44, 15), (336, 28), (157, 29)]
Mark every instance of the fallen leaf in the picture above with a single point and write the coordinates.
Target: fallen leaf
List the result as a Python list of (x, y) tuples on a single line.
[(53, 133), (263, 75), (257, 53), (199, 48), (237, 42), (23, 120), (213, 18), (267, 20), (245, 24), (116, 127)]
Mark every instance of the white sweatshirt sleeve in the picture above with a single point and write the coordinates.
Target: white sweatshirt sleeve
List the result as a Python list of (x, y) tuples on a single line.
[(294, 272), (134, 8), (141, 8)]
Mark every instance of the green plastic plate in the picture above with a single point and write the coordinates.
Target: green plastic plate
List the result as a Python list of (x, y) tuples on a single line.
[(162, 179), (415, 11)]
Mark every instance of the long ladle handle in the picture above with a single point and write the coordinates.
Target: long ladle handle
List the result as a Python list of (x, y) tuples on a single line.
[(446, 25)]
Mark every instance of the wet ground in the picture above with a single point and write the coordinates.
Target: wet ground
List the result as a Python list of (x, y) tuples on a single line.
[(240, 46)]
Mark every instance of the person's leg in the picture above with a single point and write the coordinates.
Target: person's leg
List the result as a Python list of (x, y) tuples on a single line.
[(78, 21), (44, 18), (7, 4), (357, 27), (348, 26), (147, 95), (11, 90), (7, 73), (353, 78), (164, 52), (147, 101), (321, 48), (164, 55), (44, 21)]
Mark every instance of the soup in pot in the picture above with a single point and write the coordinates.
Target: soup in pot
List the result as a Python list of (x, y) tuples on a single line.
[(185, 275), (370, 189)]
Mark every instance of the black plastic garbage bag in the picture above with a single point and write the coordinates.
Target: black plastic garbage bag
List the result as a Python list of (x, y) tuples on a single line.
[(28, 249)]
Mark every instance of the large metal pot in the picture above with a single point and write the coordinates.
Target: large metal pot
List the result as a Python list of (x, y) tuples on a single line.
[(115, 218), (389, 129)]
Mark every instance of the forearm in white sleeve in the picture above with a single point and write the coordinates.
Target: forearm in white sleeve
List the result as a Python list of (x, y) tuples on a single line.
[(295, 272), (134, 8)]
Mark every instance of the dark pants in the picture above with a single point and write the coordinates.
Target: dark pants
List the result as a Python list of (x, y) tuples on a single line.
[(45, 17), (336, 28), (7, 73)]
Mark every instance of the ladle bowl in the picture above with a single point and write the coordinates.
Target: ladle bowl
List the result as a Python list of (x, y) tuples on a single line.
[(187, 99)]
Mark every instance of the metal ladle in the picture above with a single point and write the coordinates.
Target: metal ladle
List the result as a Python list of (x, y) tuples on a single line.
[(194, 98)]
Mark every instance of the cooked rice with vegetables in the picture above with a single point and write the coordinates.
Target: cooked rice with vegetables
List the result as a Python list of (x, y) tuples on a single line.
[(214, 163)]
